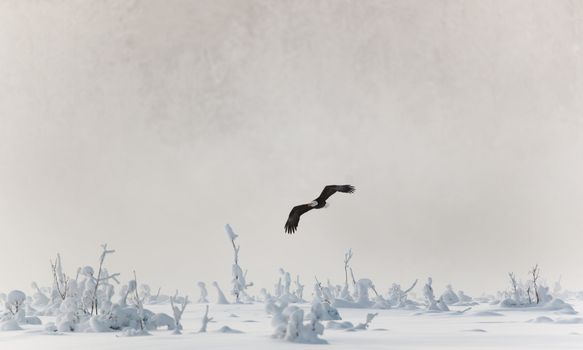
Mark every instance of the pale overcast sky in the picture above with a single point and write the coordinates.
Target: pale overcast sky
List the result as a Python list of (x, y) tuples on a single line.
[(150, 124)]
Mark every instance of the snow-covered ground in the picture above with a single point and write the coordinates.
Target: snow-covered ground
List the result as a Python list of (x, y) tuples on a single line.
[(482, 327)]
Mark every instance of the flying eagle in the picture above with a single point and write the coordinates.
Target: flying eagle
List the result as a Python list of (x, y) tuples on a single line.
[(291, 224)]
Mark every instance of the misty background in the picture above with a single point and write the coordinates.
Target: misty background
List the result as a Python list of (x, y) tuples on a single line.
[(149, 125)]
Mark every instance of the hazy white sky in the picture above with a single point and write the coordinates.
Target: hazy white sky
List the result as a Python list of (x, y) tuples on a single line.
[(150, 124)]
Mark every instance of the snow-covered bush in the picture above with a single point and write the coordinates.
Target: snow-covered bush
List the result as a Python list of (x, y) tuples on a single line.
[(432, 304), (14, 304), (283, 290), (532, 294), (289, 324), (361, 297), (323, 311), (449, 297), (398, 298), (85, 303), (464, 298)]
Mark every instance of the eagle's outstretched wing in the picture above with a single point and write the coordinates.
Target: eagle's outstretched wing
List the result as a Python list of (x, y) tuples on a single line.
[(331, 189), (291, 224)]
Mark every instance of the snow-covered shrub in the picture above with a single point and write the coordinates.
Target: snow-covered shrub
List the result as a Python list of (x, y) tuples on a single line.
[(464, 298), (449, 297), (323, 311), (88, 304), (15, 308), (265, 296), (283, 290), (361, 297), (398, 298), (532, 294), (289, 324), (432, 304)]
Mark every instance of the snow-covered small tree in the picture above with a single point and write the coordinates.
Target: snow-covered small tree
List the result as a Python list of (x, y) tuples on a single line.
[(221, 299), (139, 304), (299, 292), (514, 288), (60, 280), (318, 293), (239, 278), (100, 278), (362, 286), (278, 288), (286, 281), (205, 320), (40, 299), (203, 293), (345, 294), (178, 311), (534, 274)]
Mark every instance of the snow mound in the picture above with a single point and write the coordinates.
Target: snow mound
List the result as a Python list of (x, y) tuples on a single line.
[(339, 325), (227, 329), (557, 305), (541, 319), (487, 313), (132, 332), (569, 320), (10, 325)]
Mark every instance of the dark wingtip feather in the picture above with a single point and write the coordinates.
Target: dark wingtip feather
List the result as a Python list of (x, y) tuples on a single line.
[(289, 229), (348, 189)]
